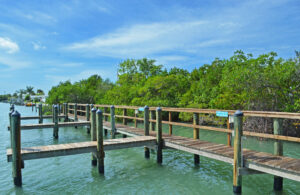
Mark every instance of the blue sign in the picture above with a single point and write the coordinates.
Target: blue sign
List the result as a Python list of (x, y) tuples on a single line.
[(141, 109), (222, 114)]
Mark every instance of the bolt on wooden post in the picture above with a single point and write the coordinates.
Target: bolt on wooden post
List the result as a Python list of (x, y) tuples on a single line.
[(16, 148), (146, 129), (196, 136), (159, 140), (100, 149), (112, 122), (94, 134), (87, 114), (237, 158), (55, 120), (278, 150)]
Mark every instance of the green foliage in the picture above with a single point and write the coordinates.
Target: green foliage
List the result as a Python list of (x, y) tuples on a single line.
[(240, 82), (27, 97), (40, 92)]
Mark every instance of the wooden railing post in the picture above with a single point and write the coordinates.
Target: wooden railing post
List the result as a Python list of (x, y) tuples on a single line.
[(237, 158), (278, 150), (66, 111), (40, 113), (112, 121), (228, 134), (170, 126), (124, 114), (100, 149), (196, 136), (53, 113), (135, 121), (55, 120), (146, 129), (93, 134), (87, 114), (16, 148), (159, 135), (105, 117), (152, 124), (75, 112)]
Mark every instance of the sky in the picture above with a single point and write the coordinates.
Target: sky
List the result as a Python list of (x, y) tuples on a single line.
[(45, 42)]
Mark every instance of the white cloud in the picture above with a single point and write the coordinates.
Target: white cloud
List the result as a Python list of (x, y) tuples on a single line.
[(38, 46), (149, 39), (13, 64), (8, 45)]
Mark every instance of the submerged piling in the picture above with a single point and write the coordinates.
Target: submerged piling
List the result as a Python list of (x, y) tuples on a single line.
[(100, 149), (278, 150), (55, 120), (16, 148), (237, 158), (87, 109), (196, 136), (93, 134), (146, 129), (159, 140)]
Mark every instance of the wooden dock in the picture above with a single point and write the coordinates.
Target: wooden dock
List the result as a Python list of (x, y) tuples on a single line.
[(258, 161), (81, 147), (244, 161)]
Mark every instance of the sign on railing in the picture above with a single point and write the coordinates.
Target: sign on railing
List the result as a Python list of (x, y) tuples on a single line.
[(221, 114)]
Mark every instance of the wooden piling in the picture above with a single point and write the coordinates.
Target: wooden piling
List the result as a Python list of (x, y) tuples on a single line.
[(124, 114), (278, 150), (159, 135), (146, 129), (40, 113), (170, 126), (75, 112), (100, 149), (196, 136), (152, 124), (135, 121), (105, 119), (16, 148), (93, 133), (112, 121), (87, 114), (55, 120), (237, 158)]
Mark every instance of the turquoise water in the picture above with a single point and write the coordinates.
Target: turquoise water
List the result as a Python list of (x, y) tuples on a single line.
[(126, 170)]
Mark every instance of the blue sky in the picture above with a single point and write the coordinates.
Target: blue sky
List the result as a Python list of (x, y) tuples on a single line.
[(45, 42)]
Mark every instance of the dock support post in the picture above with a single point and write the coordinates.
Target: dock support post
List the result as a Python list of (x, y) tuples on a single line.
[(278, 150), (196, 136), (75, 112), (53, 113), (146, 129), (159, 135), (40, 113), (87, 114), (124, 114), (112, 121), (237, 158), (66, 111), (152, 124), (105, 119), (94, 134), (55, 120), (135, 121), (100, 149), (228, 134), (16, 148)]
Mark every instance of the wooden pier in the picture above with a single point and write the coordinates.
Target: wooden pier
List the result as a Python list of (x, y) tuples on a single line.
[(244, 161)]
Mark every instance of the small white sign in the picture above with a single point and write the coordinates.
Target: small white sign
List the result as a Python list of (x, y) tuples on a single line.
[(136, 111), (231, 119)]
